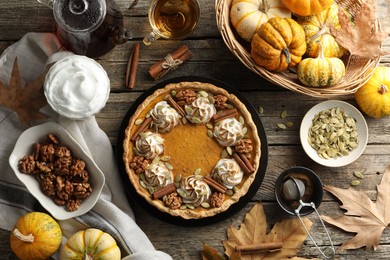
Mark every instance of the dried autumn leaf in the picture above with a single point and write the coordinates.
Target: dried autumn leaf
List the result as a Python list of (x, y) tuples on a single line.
[(361, 37), (209, 253), (25, 101), (253, 231), (365, 218)]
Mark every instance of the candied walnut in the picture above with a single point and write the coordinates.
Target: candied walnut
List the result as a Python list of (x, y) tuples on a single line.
[(185, 97), (43, 167), (59, 201), (82, 190), (27, 164), (244, 146), (77, 165), (61, 165), (47, 153), (80, 176), (73, 204), (47, 186), (52, 139), (139, 164), (173, 201), (62, 151), (220, 102), (217, 199), (36, 151)]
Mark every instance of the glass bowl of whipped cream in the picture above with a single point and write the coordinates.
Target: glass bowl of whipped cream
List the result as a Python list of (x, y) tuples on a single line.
[(77, 87)]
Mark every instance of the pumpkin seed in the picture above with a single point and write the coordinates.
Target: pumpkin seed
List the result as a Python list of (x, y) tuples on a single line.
[(196, 120), (203, 94), (211, 99), (282, 126), (289, 124), (178, 178), (229, 106), (165, 158), (173, 93), (355, 183), (210, 133), (197, 171), (188, 110), (261, 110), (283, 114), (224, 154), (209, 126), (241, 119), (190, 206), (138, 121), (229, 150), (183, 207), (205, 205), (169, 166), (358, 175), (229, 192)]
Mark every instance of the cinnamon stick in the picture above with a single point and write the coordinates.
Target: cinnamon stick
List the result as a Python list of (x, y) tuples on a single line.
[(176, 106), (269, 246), (158, 69), (164, 191), (223, 114), (132, 65), (241, 163), (145, 125), (213, 183), (247, 163)]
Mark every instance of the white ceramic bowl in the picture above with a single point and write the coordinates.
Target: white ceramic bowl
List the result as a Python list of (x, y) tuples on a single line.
[(362, 130), (23, 147)]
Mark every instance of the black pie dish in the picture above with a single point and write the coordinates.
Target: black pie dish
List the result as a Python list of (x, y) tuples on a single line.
[(135, 199)]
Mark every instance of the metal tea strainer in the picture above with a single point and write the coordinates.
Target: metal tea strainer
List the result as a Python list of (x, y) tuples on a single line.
[(289, 189)]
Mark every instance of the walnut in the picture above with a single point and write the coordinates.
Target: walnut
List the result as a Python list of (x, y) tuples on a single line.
[(59, 201), (82, 190), (62, 164), (73, 204), (52, 139), (27, 164), (217, 199), (244, 146), (139, 164), (62, 151), (43, 167), (47, 153), (81, 176), (220, 102), (185, 97), (77, 165), (47, 186), (64, 189), (173, 201), (36, 151)]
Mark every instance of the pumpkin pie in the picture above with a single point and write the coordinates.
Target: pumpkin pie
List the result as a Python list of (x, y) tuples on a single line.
[(191, 149)]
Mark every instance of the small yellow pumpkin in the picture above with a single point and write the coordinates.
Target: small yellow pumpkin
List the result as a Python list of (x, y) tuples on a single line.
[(317, 29), (90, 244), (278, 44), (36, 235), (321, 71), (373, 98), (307, 7), (247, 16)]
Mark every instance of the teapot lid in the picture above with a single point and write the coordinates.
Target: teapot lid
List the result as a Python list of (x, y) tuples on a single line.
[(79, 16)]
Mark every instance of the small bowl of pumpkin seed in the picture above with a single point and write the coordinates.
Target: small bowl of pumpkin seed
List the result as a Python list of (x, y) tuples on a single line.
[(334, 133)]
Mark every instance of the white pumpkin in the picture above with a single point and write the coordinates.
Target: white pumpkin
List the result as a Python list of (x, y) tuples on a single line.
[(246, 16)]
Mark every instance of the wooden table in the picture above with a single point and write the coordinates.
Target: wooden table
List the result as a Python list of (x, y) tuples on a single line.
[(211, 58)]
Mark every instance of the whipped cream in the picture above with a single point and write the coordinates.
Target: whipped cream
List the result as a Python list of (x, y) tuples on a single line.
[(228, 131), (227, 172), (200, 111), (149, 145), (158, 176), (194, 190), (77, 87), (164, 116)]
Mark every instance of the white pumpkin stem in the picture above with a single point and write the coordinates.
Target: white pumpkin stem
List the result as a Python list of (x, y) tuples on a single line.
[(320, 51), (265, 6), (324, 30), (383, 89), (29, 238)]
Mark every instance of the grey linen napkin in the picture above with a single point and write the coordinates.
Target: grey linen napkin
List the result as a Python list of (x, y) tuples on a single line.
[(112, 212)]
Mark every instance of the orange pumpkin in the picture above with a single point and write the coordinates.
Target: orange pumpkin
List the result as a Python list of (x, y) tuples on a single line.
[(307, 7)]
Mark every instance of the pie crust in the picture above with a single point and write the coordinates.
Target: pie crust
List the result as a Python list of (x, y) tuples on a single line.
[(190, 147)]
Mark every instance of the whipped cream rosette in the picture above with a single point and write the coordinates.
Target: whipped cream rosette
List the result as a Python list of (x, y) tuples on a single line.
[(228, 173), (200, 111), (77, 87), (194, 190), (149, 145), (229, 131), (164, 117), (157, 176)]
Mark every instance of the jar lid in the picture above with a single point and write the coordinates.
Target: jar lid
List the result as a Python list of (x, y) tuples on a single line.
[(79, 16)]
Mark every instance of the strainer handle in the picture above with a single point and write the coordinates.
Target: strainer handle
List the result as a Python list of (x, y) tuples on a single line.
[(311, 204)]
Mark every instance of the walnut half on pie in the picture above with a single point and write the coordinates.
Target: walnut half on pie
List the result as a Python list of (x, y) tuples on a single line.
[(191, 149)]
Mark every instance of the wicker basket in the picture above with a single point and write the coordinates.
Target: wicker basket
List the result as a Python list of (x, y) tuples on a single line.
[(357, 68)]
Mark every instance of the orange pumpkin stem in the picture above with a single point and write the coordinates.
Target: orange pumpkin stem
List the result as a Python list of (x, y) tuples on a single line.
[(383, 89), (29, 238)]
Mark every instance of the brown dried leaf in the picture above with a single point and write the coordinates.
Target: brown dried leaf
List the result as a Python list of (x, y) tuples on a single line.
[(361, 37), (25, 101), (209, 253), (363, 217), (253, 231)]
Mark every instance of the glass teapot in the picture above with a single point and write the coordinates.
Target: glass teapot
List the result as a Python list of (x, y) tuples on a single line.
[(88, 27)]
